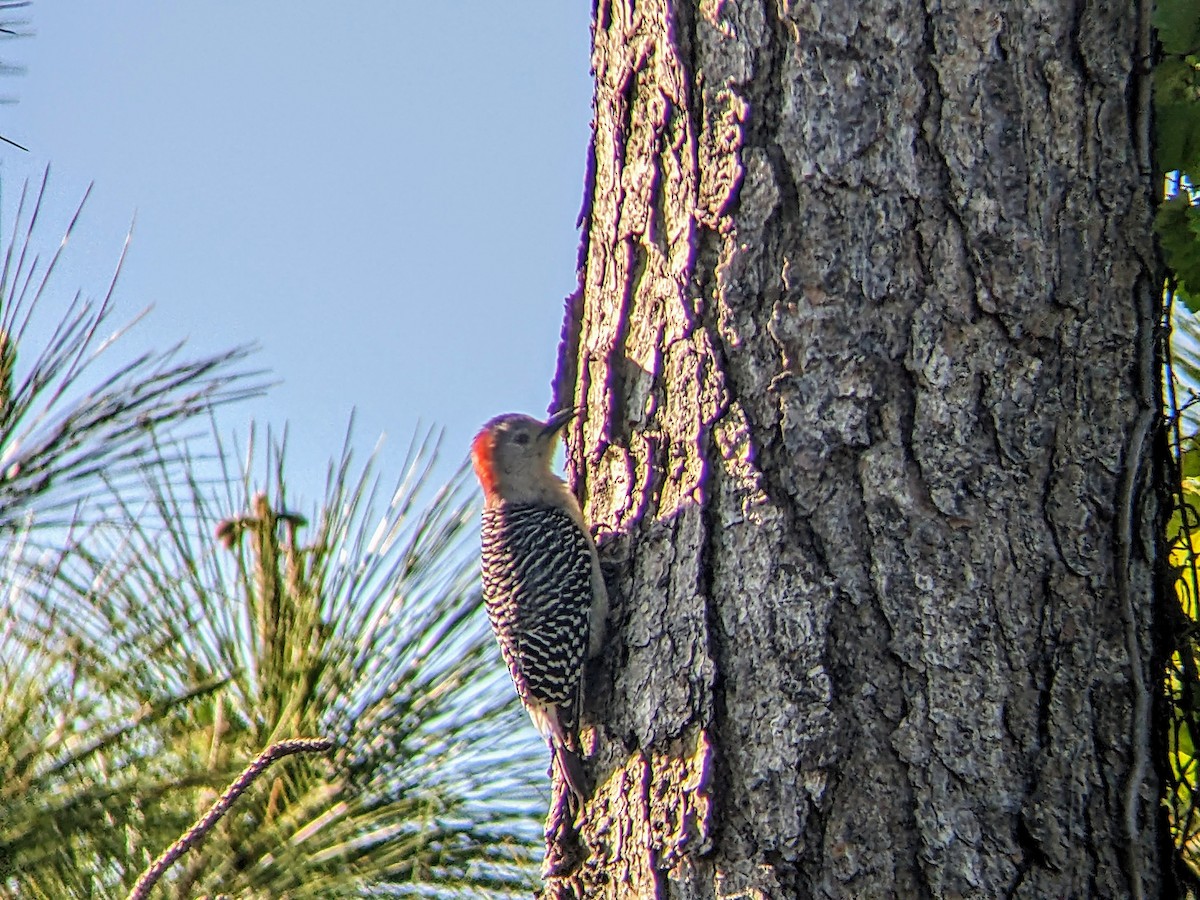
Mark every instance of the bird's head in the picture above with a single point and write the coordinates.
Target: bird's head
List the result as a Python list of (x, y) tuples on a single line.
[(512, 455)]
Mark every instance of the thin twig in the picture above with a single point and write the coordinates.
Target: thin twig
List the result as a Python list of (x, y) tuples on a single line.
[(204, 824)]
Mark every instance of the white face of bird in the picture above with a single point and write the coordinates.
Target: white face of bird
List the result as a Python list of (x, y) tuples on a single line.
[(512, 456), (522, 444)]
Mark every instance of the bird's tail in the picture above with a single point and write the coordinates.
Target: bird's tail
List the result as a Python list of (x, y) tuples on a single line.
[(548, 719), (571, 767)]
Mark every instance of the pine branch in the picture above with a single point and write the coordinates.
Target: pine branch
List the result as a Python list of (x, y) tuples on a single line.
[(205, 823)]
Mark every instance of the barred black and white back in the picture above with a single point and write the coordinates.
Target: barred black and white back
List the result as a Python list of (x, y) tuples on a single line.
[(537, 584)]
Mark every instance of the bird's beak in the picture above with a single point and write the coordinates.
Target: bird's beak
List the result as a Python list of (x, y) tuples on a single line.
[(555, 423)]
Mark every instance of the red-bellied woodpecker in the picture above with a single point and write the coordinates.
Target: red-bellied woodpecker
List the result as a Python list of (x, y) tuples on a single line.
[(541, 577)]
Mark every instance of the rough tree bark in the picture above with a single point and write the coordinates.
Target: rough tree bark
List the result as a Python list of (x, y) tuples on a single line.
[(865, 337)]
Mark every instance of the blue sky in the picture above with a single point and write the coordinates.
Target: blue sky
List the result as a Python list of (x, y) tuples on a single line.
[(381, 194)]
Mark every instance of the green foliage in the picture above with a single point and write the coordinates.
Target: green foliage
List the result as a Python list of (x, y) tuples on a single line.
[(166, 616), (1177, 151), (1178, 25), (1176, 86), (199, 655), (1178, 227), (1177, 113), (1183, 674), (372, 632), (74, 416)]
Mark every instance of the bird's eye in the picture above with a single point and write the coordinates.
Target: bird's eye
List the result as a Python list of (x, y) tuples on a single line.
[(521, 437)]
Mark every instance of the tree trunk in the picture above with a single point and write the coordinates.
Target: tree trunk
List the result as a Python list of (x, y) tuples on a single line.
[(865, 336)]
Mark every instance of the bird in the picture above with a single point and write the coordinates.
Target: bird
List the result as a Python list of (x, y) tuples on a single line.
[(542, 583)]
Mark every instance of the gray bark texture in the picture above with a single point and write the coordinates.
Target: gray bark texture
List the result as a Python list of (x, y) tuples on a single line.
[(865, 338)]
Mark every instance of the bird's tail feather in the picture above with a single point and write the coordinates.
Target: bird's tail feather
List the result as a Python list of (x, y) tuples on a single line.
[(571, 767), (549, 722)]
